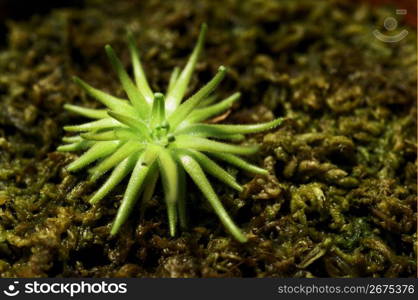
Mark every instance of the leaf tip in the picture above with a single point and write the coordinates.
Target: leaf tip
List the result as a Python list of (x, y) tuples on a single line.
[(158, 95)]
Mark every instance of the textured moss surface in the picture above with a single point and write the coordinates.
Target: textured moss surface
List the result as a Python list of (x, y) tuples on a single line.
[(340, 199)]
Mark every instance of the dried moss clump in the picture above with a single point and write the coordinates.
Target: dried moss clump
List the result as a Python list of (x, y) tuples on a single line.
[(340, 197)]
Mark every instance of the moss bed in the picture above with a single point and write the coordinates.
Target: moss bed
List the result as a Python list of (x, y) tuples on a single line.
[(340, 199)]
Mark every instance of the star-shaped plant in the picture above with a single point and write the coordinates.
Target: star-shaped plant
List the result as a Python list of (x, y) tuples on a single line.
[(152, 134)]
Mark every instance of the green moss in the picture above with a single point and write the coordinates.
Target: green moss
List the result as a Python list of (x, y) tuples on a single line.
[(340, 197)]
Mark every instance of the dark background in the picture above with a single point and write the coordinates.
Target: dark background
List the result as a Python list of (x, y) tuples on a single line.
[(20, 9)]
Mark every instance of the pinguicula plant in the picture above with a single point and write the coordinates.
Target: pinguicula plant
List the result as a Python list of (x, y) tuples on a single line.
[(153, 135)]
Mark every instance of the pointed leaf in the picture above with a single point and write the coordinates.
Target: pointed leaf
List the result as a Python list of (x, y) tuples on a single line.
[(196, 173), (158, 110), (123, 152), (99, 150), (110, 135), (149, 188), (177, 92), (207, 101), (187, 107), (181, 201), (201, 144), (120, 105), (95, 125), (134, 95), (222, 129), (132, 191), (214, 169), (87, 112), (72, 139), (169, 176), (173, 79), (213, 110), (114, 179), (81, 145), (207, 131), (140, 78), (239, 162), (136, 124)]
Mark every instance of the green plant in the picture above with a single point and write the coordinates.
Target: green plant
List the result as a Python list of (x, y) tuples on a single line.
[(152, 135)]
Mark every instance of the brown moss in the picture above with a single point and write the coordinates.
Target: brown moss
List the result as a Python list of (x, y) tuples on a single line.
[(340, 197)]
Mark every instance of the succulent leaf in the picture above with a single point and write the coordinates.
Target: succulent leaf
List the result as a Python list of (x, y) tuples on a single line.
[(154, 136)]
